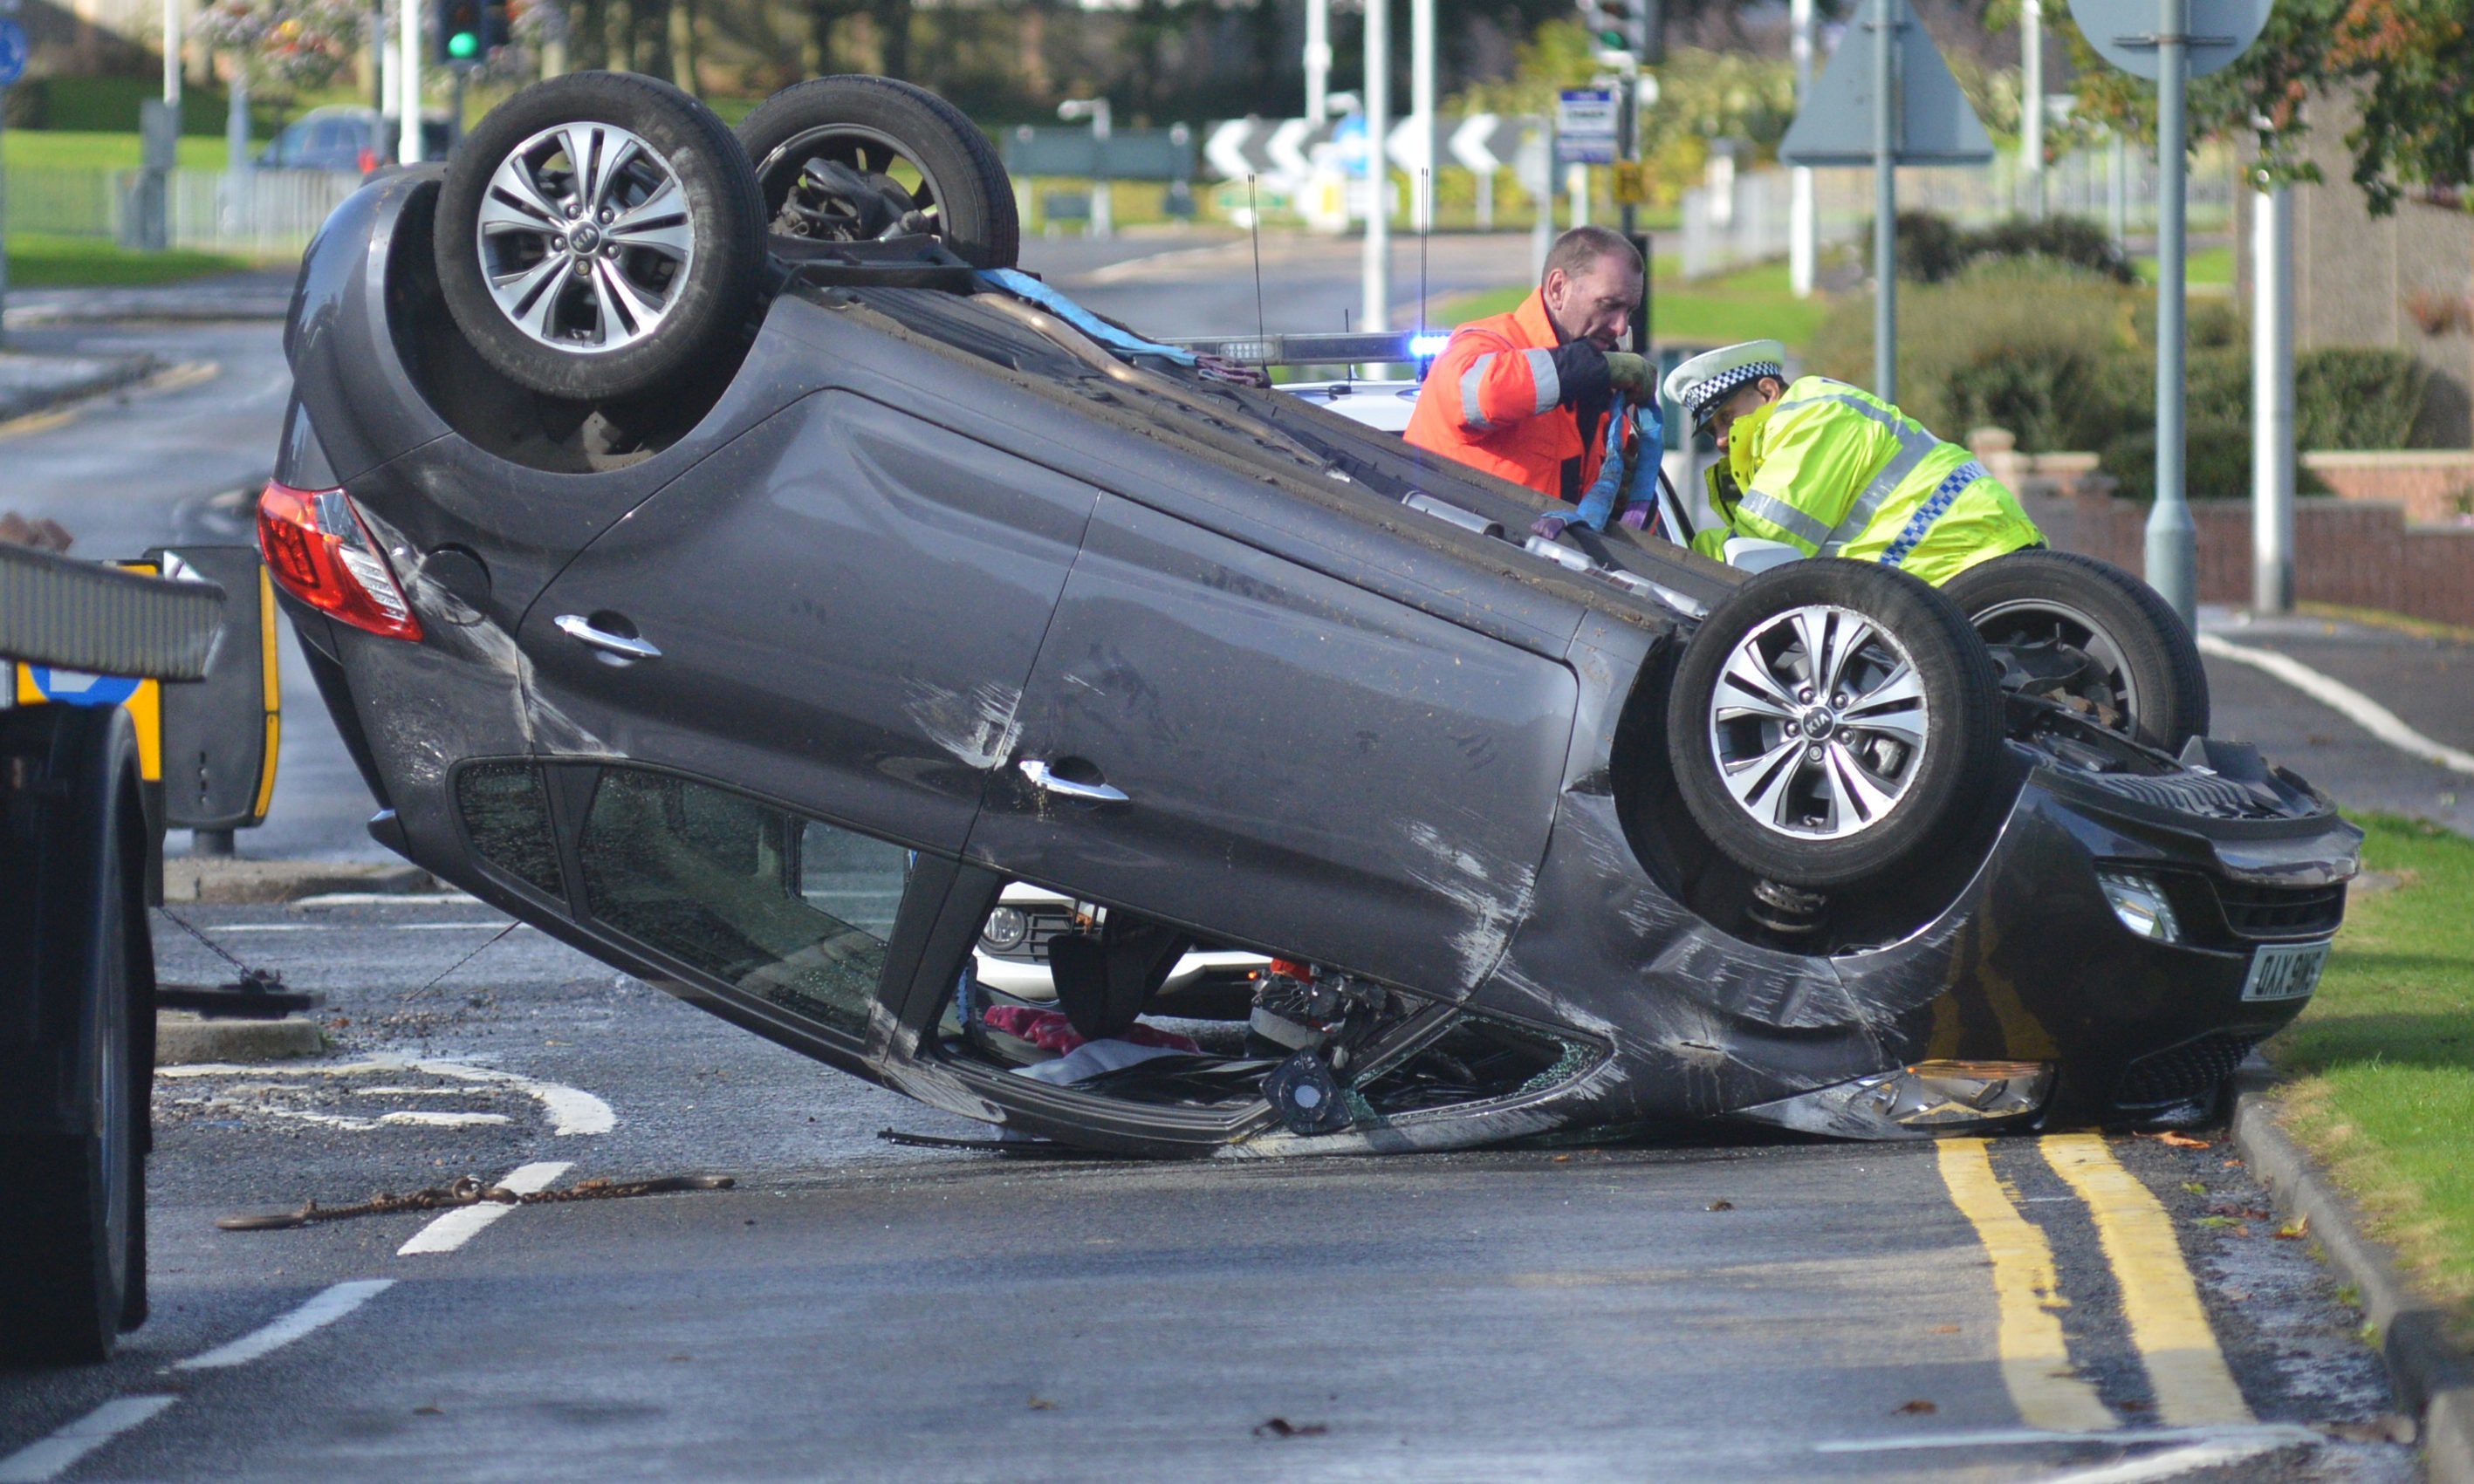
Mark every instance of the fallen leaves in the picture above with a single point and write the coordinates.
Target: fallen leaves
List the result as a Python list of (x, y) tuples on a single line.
[(2294, 1231), (1720, 1205), (1041, 1405), (1943, 1329), (2172, 1141), (1282, 1427), (1919, 1407)]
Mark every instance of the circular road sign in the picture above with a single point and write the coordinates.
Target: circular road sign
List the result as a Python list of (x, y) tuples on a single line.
[(13, 50), (2123, 31)]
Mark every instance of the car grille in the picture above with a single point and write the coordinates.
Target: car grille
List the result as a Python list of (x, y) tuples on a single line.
[(2192, 1069), (2194, 793), (1046, 922), (2254, 911)]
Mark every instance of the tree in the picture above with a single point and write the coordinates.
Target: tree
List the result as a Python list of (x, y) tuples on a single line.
[(2411, 63)]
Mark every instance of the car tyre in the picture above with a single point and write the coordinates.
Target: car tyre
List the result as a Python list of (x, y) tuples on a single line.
[(72, 1248), (1820, 786), (2144, 678), (873, 126), (603, 281)]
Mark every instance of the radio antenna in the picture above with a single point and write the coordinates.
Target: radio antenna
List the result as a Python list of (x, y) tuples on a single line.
[(1425, 224), (1254, 226)]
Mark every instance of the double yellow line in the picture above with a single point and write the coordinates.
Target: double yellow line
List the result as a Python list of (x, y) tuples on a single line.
[(2159, 1300)]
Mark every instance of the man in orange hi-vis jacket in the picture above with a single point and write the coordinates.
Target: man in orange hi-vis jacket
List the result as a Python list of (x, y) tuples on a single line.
[(1526, 395)]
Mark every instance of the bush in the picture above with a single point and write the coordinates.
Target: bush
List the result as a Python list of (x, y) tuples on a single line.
[(1934, 249), (2216, 460), (2042, 351), (2346, 398), (2073, 240)]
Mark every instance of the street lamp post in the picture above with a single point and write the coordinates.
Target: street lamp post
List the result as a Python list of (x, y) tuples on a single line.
[(1103, 213)]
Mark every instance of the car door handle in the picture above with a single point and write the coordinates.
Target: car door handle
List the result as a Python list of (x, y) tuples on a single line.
[(575, 626), (1043, 776)]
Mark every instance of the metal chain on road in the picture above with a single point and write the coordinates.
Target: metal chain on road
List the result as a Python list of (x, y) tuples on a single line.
[(259, 978), (468, 1190), (441, 976)]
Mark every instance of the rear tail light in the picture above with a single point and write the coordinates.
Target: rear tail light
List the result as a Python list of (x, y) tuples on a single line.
[(318, 549)]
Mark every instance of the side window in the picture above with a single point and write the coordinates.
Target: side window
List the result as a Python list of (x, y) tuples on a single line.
[(508, 818), (789, 909)]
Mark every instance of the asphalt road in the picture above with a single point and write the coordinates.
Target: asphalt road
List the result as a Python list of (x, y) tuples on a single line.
[(1715, 1307), (1709, 1306)]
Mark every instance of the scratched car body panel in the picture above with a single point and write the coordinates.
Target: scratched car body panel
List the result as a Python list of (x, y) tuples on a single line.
[(903, 546)]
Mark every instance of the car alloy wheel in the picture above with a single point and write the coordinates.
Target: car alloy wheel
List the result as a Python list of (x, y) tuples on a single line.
[(1819, 724), (586, 237), (2110, 689)]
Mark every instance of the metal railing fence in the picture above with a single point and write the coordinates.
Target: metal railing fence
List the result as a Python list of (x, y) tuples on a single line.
[(255, 212)]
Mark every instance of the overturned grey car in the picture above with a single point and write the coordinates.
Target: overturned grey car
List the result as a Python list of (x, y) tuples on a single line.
[(713, 556)]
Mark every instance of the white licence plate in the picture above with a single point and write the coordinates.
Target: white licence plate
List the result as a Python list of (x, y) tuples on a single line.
[(2288, 971)]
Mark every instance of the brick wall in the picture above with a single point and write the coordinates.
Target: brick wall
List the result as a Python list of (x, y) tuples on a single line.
[(2429, 483), (2361, 553)]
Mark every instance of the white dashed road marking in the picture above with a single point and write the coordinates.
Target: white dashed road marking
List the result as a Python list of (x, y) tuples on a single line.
[(48, 1458), (466, 1222), (316, 1314)]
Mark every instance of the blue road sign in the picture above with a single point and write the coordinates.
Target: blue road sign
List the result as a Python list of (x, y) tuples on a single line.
[(13, 50), (77, 688)]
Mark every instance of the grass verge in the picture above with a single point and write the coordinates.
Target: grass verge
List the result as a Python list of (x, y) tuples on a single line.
[(2208, 266), (38, 261), (1751, 303), (2380, 1067), (63, 149)]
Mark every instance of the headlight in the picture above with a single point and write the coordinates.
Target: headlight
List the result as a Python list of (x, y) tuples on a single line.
[(2140, 902), (1005, 929)]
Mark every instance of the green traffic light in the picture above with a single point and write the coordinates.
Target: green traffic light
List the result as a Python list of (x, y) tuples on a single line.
[(1613, 40), (463, 46)]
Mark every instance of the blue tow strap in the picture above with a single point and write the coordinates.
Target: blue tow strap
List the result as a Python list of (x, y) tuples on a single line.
[(1023, 285)]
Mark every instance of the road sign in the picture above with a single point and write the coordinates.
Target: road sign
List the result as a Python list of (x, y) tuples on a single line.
[(77, 688), (1287, 149), (1586, 126), (1935, 126), (2125, 32), (13, 50), (1485, 141)]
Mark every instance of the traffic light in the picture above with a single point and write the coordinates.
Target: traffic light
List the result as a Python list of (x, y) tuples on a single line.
[(1629, 26), (469, 31)]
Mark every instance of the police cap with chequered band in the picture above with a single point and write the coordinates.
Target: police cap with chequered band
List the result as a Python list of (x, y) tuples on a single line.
[(1708, 379)]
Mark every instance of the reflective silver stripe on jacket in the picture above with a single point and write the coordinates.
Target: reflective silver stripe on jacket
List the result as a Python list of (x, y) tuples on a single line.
[(1913, 446), (1550, 387), (1542, 372), (1779, 513), (1470, 417)]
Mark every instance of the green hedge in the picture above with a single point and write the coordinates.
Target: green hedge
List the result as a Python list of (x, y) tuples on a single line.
[(2065, 358), (1936, 250)]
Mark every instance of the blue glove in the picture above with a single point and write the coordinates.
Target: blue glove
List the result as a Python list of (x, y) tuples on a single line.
[(1636, 483), (1598, 501), (1550, 527)]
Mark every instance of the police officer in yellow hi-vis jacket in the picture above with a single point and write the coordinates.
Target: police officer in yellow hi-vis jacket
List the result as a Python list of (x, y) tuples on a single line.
[(1834, 471)]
